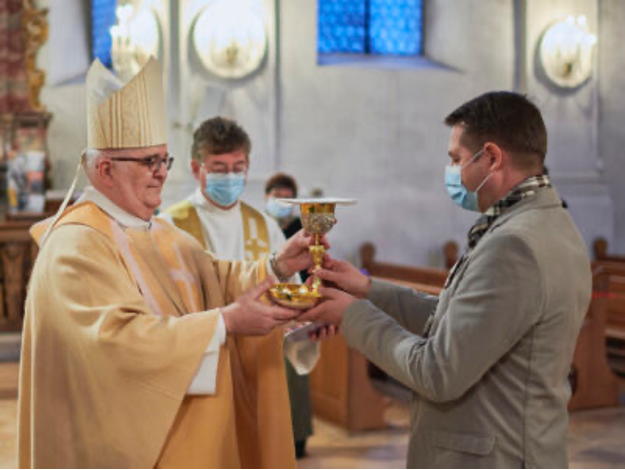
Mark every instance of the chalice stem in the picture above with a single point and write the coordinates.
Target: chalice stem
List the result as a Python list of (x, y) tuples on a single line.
[(317, 252)]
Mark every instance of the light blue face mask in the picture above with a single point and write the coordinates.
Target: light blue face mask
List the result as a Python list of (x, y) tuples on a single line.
[(277, 210), (224, 189), (458, 193)]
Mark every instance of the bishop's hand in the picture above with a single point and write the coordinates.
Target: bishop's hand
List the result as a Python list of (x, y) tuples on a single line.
[(294, 256), (248, 315)]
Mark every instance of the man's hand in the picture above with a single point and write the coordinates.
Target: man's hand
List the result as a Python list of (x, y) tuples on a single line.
[(324, 332), (294, 256), (249, 316), (345, 277), (331, 308)]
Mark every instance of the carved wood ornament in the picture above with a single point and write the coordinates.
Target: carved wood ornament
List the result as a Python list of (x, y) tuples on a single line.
[(35, 26)]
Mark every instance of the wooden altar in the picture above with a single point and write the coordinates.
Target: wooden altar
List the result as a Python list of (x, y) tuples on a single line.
[(17, 255)]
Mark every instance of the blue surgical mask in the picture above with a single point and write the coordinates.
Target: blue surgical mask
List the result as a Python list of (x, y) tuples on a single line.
[(459, 194), (224, 189), (278, 210)]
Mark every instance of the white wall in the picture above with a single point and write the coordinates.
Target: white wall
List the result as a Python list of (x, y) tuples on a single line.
[(612, 117), (197, 97), (377, 134), (253, 104), (572, 119), (68, 48), (65, 98)]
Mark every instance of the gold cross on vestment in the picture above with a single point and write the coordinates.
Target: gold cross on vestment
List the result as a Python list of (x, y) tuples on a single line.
[(255, 248)]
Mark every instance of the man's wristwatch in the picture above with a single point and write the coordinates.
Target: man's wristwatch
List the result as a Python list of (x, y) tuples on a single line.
[(274, 267)]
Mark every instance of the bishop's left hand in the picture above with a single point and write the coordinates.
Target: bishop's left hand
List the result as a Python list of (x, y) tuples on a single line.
[(331, 308), (294, 256)]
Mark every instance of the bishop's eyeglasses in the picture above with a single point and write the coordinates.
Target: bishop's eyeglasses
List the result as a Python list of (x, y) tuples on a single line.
[(152, 162)]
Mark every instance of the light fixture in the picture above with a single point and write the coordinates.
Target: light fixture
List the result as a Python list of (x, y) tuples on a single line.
[(229, 38), (135, 38), (566, 52)]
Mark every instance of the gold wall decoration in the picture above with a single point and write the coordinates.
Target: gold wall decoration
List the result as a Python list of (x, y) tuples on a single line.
[(35, 26)]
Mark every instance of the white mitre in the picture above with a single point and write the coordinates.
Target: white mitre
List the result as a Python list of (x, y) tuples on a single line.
[(120, 115), (125, 116)]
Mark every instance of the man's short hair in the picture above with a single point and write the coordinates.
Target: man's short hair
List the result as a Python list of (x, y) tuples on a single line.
[(281, 180), (508, 119), (220, 135)]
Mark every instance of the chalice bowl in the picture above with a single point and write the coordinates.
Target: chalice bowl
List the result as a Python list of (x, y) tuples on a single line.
[(317, 215)]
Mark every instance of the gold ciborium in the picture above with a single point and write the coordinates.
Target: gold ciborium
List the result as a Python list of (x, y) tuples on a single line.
[(317, 217)]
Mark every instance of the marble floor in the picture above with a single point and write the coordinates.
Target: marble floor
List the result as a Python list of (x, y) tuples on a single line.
[(596, 438)]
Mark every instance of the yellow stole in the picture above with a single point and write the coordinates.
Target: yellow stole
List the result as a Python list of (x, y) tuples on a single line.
[(255, 232)]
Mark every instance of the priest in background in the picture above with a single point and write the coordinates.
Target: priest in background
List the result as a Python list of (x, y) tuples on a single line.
[(136, 348), (231, 229), (214, 213)]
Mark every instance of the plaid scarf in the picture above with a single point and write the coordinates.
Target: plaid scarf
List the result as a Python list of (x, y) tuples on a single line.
[(528, 187)]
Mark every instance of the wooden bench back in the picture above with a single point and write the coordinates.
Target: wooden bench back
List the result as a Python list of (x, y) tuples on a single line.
[(617, 299), (600, 251), (402, 274)]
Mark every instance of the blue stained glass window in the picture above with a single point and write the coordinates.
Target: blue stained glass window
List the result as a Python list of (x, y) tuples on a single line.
[(102, 18), (395, 27), (391, 27), (341, 26)]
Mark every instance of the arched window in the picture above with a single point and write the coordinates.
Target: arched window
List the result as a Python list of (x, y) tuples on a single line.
[(102, 18), (380, 27)]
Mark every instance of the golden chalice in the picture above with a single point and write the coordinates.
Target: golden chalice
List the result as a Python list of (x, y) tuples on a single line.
[(317, 217)]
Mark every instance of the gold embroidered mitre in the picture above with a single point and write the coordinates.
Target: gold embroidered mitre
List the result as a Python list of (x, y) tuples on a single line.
[(125, 116)]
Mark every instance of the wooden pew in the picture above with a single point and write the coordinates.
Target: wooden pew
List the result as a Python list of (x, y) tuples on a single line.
[(592, 381), (600, 251), (615, 325), (615, 312), (430, 280), (615, 316), (340, 385)]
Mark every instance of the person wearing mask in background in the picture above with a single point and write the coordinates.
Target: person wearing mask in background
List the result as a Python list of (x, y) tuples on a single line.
[(282, 186)]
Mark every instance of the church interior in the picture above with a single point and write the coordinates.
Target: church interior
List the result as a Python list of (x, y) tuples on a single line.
[(346, 120)]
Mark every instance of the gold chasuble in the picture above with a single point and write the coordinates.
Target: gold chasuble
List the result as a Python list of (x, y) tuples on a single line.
[(117, 321)]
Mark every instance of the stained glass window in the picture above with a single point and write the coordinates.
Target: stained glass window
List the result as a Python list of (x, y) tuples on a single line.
[(102, 18), (341, 26), (392, 27)]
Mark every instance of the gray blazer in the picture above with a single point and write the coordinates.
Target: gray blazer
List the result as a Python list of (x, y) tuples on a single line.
[(490, 379)]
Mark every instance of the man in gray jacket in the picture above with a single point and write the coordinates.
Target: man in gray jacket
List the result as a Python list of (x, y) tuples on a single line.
[(488, 360)]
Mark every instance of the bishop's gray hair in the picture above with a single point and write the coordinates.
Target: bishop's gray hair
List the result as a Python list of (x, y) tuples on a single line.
[(90, 156)]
